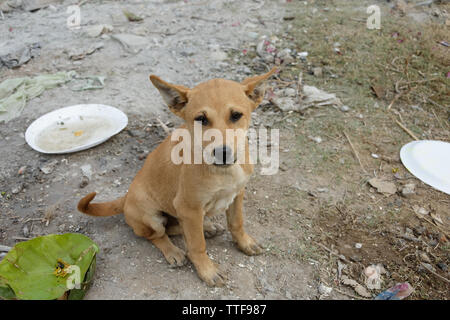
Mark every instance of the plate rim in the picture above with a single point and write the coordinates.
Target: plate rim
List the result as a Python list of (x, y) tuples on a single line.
[(30, 141), (407, 163)]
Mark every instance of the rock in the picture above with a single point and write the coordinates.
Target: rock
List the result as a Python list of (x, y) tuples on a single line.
[(421, 211), (442, 266), (324, 290), (424, 257), (408, 190), (315, 139), (318, 72), (17, 189), (48, 166), (25, 231), (383, 186), (219, 55), (345, 108), (84, 182), (356, 258)]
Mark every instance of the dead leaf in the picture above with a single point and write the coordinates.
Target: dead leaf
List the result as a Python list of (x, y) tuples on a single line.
[(383, 186), (379, 91), (359, 289)]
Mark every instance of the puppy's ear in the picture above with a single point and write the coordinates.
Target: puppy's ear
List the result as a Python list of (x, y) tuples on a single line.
[(253, 86), (175, 96)]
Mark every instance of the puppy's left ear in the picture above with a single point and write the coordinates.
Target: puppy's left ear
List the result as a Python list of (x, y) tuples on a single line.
[(253, 86)]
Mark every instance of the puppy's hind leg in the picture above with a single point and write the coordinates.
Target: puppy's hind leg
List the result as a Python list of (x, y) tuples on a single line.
[(151, 227)]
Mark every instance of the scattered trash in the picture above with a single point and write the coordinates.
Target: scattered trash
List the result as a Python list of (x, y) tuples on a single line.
[(375, 156), (420, 210), (14, 93), (383, 186), (131, 16), (311, 97), (315, 139), (324, 290), (130, 42), (345, 108), (359, 289), (34, 5), (48, 167), (78, 54), (397, 292), (265, 50), (15, 56), (373, 276), (97, 30), (58, 258), (358, 245), (88, 83)]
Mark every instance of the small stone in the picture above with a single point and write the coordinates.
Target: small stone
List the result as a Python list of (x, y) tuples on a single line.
[(318, 72), (356, 258), (345, 108), (424, 257), (315, 139), (442, 266), (288, 295), (84, 182), (48, 167), (409, 190), (324, 290), (16, 189), (25, 231)]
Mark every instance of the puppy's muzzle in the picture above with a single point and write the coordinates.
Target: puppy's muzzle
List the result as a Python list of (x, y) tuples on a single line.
[(223, 156)]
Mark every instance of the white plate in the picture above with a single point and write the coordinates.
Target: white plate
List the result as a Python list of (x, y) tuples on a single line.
[(429, 161), (75, 128)]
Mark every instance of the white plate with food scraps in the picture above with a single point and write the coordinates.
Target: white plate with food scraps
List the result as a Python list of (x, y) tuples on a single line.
[(75, 128), (429, 161)]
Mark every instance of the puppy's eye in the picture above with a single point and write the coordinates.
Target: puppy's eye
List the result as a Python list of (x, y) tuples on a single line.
[(235, 116), (203, 119)]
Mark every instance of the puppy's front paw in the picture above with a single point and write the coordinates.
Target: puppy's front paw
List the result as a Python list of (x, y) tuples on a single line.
[(175, 257), (208, 271), (248, 245), (213, 276)]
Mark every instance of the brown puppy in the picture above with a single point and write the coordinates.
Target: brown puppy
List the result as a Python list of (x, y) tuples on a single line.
[(168, 199)]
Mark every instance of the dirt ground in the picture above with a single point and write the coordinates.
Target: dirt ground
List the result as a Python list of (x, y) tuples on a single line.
[(313, 214)]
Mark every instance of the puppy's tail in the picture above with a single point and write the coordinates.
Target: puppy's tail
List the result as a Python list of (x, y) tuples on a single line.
[(102, 209)]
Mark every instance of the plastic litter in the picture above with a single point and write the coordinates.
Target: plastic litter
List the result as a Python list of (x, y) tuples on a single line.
[(398, 292)]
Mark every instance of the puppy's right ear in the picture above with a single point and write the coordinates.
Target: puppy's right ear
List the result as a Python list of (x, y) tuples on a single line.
[(175, 96)]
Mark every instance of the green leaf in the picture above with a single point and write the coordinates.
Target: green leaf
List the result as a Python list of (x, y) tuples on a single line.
[(28, 269)]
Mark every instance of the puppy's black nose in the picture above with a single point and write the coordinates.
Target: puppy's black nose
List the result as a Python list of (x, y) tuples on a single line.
[(223, 155)]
